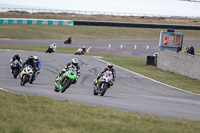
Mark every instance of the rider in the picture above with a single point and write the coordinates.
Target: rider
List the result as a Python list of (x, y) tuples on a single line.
[(73, 64), (29, 61), (51, 48), (15, 57), (108, 68), (83, 48), (37, 65)]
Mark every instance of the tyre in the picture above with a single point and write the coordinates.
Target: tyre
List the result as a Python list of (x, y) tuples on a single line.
[(56, 89), (15, 73), (105, 87), (32, 79), (24, 80), (68, 83), (94, 92)]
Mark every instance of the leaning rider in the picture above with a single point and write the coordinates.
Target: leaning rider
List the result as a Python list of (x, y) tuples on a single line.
[(73, 64), (15, 57), (37, 65), (29, 61), (83, 48), (108, 68)]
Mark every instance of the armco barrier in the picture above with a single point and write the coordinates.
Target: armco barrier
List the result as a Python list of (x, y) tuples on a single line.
[(138, 25), (35, 21)]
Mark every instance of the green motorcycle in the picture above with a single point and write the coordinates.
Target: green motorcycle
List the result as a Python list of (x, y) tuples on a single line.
[(65, 80)]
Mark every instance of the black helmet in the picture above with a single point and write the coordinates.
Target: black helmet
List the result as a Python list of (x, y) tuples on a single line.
[(75, 61), (30, 58), (109, 65)]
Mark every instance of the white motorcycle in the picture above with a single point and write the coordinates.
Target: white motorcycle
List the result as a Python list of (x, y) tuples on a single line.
[(103, 83), (27, 75), (79, 51)]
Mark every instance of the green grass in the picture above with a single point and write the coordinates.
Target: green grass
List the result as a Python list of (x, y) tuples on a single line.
[(135, 64), (57, 32), (32, 114)]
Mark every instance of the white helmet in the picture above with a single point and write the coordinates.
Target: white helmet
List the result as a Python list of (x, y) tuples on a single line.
[(75, 61), (35, 58)]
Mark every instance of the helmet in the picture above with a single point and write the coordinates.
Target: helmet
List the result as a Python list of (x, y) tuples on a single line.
[(75, 61), (16, 55), (109, 65), (30, 58), (35, 57)]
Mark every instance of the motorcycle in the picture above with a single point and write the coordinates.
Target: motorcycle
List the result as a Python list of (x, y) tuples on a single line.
[(103, 83), (79, 51), (68, 40), (15, 68), (65, 80), (51, 49), (27, 75)]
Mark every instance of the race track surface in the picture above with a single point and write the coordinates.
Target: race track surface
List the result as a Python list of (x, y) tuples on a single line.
[(131, 92), (101, 46)]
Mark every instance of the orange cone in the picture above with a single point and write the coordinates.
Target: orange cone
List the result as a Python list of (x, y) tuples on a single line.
[(121, 47), (147, 46), (135, 47), (109, 47)]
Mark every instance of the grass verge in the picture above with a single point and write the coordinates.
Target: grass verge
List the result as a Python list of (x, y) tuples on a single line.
[(31, 114), (135, 64), (57, 32)]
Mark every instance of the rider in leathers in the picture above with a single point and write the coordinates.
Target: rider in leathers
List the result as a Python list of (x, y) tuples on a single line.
[(37, 65), (15, 57), (29, 61), (73, 64), (108, 68)]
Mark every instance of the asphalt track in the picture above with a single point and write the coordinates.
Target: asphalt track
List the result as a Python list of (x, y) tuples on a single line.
[(101, 46), (131, 92)]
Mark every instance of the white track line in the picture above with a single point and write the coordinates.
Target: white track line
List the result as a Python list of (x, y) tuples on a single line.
[(88, 49), (3, 89), (151, 79)]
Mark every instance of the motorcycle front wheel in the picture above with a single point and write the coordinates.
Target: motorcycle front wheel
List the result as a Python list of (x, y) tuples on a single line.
[(94, 92), (15, 73), (56, 89), (24, 80), (105, 87), (65, 86)]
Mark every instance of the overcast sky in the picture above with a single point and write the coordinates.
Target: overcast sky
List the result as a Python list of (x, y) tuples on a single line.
[(158, 7)]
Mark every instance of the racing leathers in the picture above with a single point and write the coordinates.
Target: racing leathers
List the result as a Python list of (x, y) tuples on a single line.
[(104, 70), (38, 66)]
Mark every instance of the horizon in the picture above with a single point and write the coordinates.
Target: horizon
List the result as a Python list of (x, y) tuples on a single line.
[(145, 7)]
